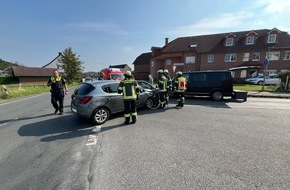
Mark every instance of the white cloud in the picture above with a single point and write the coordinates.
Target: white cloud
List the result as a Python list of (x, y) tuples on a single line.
[(274, 7), (221, 23)]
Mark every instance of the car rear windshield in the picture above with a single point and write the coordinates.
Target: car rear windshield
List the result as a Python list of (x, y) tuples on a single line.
[(84, 89)]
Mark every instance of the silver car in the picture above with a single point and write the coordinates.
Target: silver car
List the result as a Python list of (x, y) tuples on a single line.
[(98, 100)]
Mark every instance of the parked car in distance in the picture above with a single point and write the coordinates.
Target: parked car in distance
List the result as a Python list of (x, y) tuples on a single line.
[(88, 79), (215, 84), (99, 99), (269, 80)]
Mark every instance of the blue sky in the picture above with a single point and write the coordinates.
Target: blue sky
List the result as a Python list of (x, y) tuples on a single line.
[(110, 32)]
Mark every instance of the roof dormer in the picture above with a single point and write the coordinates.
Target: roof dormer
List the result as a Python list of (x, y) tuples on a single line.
[(230, 40), (272, 36), (250, 38)]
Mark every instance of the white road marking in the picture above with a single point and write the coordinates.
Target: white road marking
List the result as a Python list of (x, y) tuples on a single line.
[(9, 121), (92, 140)]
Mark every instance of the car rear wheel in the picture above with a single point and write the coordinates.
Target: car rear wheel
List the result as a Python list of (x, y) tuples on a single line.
[(149, 103), (100, 116), (260, 83), (217, 96)]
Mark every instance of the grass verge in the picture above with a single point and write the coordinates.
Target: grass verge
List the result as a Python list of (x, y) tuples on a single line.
[(17, 90)]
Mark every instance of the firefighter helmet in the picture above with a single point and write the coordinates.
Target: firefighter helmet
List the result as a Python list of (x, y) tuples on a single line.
[(128, 73), (160, 71), (179, 73), (166, 71)]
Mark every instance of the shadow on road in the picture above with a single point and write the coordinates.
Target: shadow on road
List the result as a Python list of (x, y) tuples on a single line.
[(59, 127)]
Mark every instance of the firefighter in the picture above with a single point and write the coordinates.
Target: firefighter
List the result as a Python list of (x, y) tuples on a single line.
[(130, 89), (162, 88), (58, 85), (179, 87), (168, 85)]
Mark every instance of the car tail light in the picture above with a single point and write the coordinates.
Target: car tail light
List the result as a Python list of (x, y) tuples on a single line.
[(85, 100)]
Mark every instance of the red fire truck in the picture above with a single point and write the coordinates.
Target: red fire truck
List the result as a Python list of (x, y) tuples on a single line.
[(112, 74)]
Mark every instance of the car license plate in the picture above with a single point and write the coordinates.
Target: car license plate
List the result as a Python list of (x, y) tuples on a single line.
[(74, 110)]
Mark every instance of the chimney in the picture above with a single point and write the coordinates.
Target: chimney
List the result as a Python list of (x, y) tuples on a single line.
[(166, 41)]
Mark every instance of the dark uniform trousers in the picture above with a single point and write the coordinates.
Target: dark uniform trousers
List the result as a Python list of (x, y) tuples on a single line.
[(180, 98), (57, 96), (130, 110)]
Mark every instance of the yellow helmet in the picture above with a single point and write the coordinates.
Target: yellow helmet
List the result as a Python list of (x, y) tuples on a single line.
[(160, 71), (128, 73)]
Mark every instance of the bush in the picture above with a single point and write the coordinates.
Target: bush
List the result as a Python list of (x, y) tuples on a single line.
[(9, 80)]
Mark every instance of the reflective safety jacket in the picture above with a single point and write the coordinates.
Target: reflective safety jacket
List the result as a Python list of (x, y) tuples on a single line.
[(57, 84), (162, 84), (180, 84), (129, 89)]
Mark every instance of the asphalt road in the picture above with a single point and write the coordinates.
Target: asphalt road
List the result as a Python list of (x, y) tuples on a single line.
[(205, 145)]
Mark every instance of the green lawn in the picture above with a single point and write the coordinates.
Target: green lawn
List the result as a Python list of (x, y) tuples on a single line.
[(17, 90), (251, 87)]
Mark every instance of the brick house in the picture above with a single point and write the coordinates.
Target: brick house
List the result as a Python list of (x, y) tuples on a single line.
[(125, 67), (142, 66), (246, 50)]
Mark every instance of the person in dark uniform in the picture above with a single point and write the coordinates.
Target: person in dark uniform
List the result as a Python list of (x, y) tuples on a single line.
[(130, 90), (168, 85), (58, 90), (162, 88), (179, 85)]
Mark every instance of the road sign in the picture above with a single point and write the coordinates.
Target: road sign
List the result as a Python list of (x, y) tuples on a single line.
[(178, 64), (266, 62)]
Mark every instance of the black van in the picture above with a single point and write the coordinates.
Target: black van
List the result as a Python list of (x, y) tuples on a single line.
[(215, 84)]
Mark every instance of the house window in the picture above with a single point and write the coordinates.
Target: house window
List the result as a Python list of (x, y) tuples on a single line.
[(250, 40), (168, 61), (273, 55), (229, 41), (189, 59), (246, 56), (256, 56), (210, 58), (286, 55), (231, 57), (272, 38)]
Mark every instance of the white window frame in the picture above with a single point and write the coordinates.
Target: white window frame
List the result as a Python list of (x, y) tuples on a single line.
[(272, 38), (229, 41), (254, 58), (231, 57), (210, 58), (189, 59), (246, 56), (168, 61), (250, 40), (286, 55), (273, 55)]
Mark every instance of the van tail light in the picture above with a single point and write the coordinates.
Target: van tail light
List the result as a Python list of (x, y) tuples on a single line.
[(85, 100)]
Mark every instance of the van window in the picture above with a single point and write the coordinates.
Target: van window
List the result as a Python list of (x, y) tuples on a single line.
[(217, 77), (197, 77)]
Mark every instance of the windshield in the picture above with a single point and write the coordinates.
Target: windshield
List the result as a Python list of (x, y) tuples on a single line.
[(117, 76)]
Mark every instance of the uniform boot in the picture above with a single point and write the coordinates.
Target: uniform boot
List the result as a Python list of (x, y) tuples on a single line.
[(56, 110), (134, 119), (127, 120)]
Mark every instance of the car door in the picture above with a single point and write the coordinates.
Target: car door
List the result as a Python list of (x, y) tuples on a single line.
[(114, 100)]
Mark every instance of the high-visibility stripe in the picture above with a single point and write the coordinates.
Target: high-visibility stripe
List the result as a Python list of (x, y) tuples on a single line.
[(134, 114), (126, 115)]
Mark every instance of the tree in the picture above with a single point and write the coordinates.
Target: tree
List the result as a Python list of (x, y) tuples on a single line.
[(72, 65)]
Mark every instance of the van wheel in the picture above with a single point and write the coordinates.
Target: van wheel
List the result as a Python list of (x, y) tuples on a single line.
[(100, 116), (217, 96)]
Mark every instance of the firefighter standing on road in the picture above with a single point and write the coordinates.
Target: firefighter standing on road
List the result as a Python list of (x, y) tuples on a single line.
[(179, 87), (168, 85), (162, 88), (58, 85), (130, 89)]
